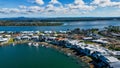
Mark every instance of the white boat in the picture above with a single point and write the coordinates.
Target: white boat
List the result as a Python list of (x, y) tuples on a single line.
[(68, 54), (43, 45), (29, 43), (13, 44), (36, 44)]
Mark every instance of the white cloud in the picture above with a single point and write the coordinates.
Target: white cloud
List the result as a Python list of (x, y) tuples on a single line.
[(22, 7), (115, 4), (40, 2), (80, 5), (54, 7), (80, 2), (9, 10), (106, 3), (34, 9), (22, 10), (54, 2), (77, 7), (102, 3)]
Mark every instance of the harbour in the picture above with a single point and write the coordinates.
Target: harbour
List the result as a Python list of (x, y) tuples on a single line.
[(21, 55)]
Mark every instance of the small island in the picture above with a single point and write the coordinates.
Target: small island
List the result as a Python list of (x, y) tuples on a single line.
[(24, 21), (28, 23)]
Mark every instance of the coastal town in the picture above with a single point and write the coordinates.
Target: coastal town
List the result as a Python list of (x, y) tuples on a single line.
[(59, 33), (98, 48)]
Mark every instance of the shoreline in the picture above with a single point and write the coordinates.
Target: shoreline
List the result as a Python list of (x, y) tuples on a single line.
[(66, 51), (71, 53)]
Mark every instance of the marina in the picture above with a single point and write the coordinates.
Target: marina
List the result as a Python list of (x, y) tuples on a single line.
[(23, 56)]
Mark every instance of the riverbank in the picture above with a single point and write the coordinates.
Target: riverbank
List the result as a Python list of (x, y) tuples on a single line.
[(70, 53), (15, 23), (66, 51), (24, 56)]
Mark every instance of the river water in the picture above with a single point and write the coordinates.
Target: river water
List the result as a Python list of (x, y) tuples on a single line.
[(67, 25), (24, 56)]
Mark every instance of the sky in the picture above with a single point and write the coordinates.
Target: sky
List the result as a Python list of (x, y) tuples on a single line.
[(59, 8)]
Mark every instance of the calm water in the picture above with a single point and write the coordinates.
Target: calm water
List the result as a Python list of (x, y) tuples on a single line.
[(68, 25), (24, 56)]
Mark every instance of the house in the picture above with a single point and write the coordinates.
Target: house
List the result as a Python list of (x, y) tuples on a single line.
[(115, 34), (63, 32), (35, 38), (100, 41), (71, 43), (3, 40), (25, 37), (18, 38), (87, 38), (117, 53), (42, 38), (111, 61)]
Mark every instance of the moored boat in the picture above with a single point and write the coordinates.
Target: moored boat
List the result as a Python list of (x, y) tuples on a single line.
[(29, 43), (35, 44)]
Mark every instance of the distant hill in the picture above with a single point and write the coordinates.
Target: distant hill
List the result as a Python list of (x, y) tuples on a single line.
[(59, 19)]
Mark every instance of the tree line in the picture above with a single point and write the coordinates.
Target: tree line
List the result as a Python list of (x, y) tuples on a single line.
[(12, 23)]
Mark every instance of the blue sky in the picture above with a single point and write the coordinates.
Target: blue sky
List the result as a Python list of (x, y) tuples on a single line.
[(59, 8)]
